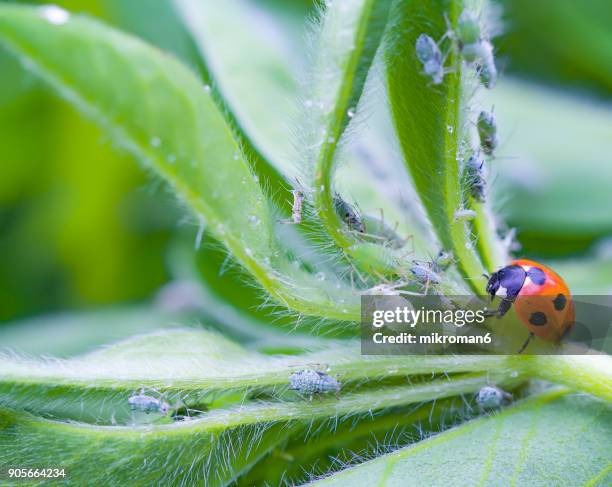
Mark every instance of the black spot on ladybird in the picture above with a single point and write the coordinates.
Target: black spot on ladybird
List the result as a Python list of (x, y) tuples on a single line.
[(560, 301), (536, 275), (538, 319)]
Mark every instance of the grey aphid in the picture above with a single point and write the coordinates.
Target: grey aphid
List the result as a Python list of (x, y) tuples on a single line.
[(296, 209), (430, 56), (487, 132), (474, 178), (491, 397), (348, 214), (465, 214), (424, 273), (311, 382), (147, 404)]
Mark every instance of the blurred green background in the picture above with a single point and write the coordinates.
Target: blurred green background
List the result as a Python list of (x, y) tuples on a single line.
[(81, 226)]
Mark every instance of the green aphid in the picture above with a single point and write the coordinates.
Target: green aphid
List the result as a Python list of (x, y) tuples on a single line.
[(442, 261), (348, 214), (487, 132), (474, 178), (378, 231), (487, 73), (468, 29)]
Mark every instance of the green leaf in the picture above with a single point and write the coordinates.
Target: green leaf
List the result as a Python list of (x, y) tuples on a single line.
[(152, 106), (573, 41), (550, 141), (349, 36), (428, 120), (197, 366), (73, 333), (330, 445), (551, 439), (253, 69), (177, 454), (245, 407)]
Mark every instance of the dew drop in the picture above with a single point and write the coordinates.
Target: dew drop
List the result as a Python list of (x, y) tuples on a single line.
[(236, 156), (350, 113), (514, 374), (308, 103), (54, 14), (249, 252), (155, 141), (320, 276), (171, 158), (254, 220), (331, 140), (255, 178), (450, 129)]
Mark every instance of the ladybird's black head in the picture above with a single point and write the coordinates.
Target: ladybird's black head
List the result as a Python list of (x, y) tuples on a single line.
[(511, 278)]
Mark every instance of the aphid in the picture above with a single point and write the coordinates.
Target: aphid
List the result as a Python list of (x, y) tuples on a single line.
[(465, 214), (474, 178), (429, 54), (376, 229), (486, 70), (491, 397), (310, 382), (392, 289), (541, 299), (469, 36), (296, 209), (442, 261), (487, 132), (348, 214), (424, 273), (147, 404)]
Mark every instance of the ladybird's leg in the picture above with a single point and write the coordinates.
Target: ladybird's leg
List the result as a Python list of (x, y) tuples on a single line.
[(531, 335), (504, 307)]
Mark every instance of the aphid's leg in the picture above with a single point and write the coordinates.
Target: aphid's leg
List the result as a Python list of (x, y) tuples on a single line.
[(369, 235), (361, 278), (382, 219), (529, 338), (410, 238), (449, 34)]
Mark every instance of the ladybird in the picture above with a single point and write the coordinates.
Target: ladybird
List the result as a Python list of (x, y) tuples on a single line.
[(541, 299)]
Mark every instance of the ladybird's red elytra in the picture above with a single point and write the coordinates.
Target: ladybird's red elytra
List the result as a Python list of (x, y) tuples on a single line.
[(541, 298)]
